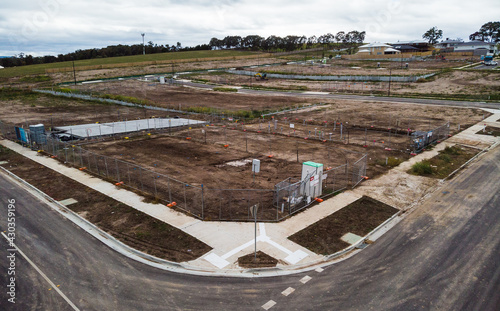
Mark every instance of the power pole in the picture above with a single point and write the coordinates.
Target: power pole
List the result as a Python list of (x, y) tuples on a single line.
[(390, 78)]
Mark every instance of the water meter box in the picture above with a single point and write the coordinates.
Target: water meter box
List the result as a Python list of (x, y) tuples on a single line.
[(314, 173)]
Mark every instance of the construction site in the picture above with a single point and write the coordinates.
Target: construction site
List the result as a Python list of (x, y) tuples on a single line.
[(227, 168)]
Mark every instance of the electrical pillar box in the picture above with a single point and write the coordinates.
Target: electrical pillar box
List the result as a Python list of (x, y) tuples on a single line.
[(314, 172)]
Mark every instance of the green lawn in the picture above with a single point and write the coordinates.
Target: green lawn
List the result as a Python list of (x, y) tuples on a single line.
[(40, 69)]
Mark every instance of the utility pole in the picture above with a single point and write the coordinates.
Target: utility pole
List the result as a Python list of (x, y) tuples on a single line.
[(390, 78), (143, 46)]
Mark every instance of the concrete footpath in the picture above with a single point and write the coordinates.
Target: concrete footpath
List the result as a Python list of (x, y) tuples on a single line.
[(231, 240)]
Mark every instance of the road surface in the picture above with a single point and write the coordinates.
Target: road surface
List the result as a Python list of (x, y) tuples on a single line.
[(388, 99), (443, 256)]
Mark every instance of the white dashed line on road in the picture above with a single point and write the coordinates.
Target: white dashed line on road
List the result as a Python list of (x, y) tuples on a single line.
[(288, 291), (269, 305), (305, 279)]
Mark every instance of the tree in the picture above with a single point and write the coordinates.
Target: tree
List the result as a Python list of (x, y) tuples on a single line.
[(490, 31), (477, 36), (433, 35)]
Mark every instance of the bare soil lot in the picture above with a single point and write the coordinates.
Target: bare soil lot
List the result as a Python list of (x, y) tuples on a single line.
[(176, 97), (22, 108), (490, 130), (334, 70), (125, 223), (359, 217), (460, 82), (84, 75)]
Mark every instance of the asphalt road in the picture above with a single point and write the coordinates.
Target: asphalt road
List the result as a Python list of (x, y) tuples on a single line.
[(388, 99), (443, 256), (483, 67)]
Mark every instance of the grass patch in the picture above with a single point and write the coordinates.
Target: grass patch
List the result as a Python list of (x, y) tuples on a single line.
[(390, 162), (359, 217), (277, 88), (263, 261), (422, 168), (225, 89), (124, 98), (124, 60), (442, 165), (33, 79)]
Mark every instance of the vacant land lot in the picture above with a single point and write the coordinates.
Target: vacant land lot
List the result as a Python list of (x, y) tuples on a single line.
[(125, 223), (490, 130), (359, 217), (23, 108)]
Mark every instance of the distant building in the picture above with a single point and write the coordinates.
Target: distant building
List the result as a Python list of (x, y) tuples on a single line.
[(377, 48), (405, 48), (448, 44), (416, 46), (478, 47)]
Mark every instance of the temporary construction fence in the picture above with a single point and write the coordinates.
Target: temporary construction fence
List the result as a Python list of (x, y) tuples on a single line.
[(392, 138), (290, 195), (200, 201), (421, 139), (373, 78)]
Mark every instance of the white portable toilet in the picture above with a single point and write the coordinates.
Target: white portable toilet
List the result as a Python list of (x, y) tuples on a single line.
[(162, 80), (313, 171)]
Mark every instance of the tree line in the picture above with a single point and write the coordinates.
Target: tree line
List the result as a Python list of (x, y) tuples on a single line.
[(489, 32), (288, 43), (252, 42), (109, 51)]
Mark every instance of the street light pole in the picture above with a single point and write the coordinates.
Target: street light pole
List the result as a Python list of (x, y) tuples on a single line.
[(74, 71), (143, 46)]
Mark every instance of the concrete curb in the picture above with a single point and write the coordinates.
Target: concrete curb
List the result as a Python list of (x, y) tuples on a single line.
[(472, 159), (159, 263), (166, 265)]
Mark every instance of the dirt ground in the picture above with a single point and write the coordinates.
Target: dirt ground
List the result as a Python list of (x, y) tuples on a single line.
[(125, 223), (178, 97), (158, 69), (22, 108), (490, 130), (457, 82), (263, 261), (359, 217), (382, 116), (341, 69)]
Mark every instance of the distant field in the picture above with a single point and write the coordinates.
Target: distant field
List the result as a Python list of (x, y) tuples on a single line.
[(40, 69)]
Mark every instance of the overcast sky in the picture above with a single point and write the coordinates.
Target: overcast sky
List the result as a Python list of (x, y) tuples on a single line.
[(51, 27)]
